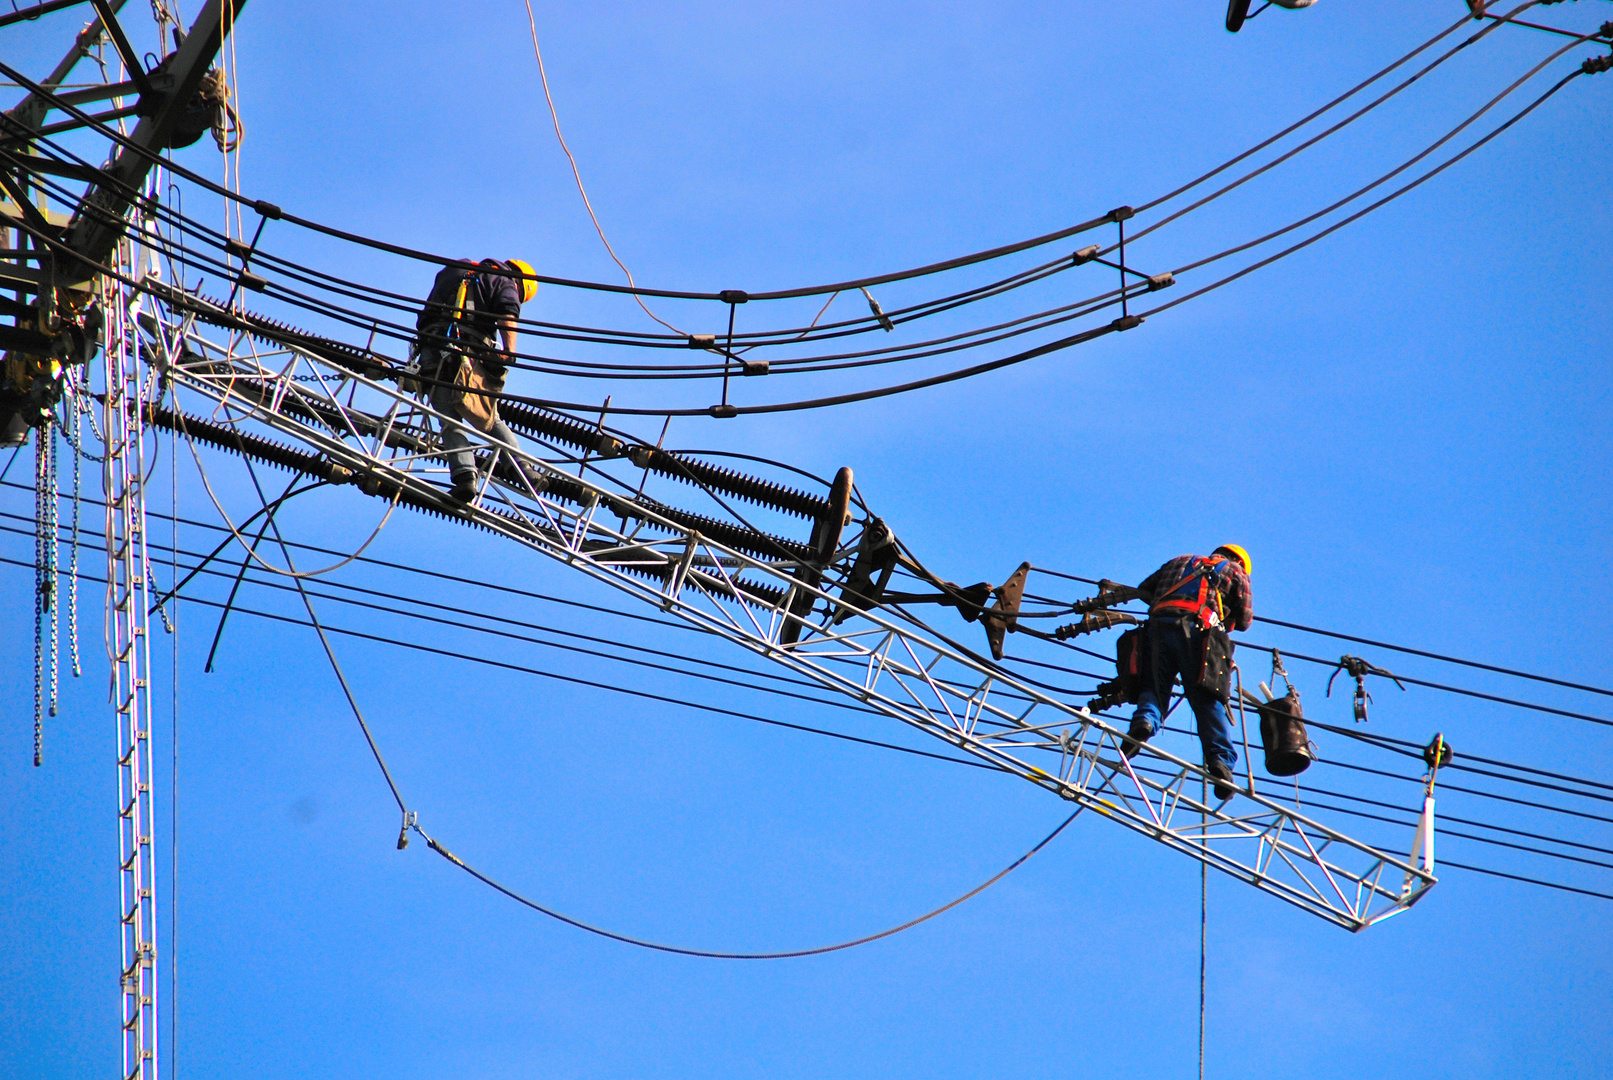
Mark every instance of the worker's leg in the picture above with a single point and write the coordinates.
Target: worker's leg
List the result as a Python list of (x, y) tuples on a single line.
[(1215, 727), (1152, 699), (455, 443)]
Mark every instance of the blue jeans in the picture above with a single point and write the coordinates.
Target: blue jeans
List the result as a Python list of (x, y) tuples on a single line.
[(1176, 645)]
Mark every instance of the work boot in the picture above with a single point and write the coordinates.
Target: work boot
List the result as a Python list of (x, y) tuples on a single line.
[(464, 489), (1224, 785), (1139, 734)]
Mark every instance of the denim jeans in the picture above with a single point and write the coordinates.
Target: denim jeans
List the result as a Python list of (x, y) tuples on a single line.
[(1175, 644)]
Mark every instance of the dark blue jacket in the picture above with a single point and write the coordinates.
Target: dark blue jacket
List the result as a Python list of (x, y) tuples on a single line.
[(488, 298)]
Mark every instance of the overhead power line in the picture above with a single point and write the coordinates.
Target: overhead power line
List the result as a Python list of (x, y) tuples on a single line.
[(1310, 791)]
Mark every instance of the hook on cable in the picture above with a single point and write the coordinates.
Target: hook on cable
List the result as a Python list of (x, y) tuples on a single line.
[(1359, 669)]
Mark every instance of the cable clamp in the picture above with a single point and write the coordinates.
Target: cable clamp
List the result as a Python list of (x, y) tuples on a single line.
[(1598, 64), (734, 296), (1127, 322), (1161, 281), (410, 817), (1122, 213), (754, 367), (879, 312), (702, 341)]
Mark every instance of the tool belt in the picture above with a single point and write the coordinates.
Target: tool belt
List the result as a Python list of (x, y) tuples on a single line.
[(1211, 669)]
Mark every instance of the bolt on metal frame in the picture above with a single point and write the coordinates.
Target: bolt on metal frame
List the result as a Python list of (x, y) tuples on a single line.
[(883, 659)]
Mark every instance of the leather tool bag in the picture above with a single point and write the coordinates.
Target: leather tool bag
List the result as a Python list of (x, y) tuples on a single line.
[(1283, 734), (1134, 670), (1215, 663), (472, 392)]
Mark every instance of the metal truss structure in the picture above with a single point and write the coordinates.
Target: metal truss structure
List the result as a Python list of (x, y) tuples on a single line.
[(54, 266), (769, 595)]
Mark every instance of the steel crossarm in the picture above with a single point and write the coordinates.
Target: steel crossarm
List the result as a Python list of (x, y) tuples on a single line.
[(888, 661)]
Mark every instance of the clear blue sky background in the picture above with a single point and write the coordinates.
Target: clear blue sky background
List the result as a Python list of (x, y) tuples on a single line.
[(1406, 424)]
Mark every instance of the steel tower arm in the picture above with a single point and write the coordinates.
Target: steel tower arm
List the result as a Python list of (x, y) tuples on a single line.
[(883, 659), (99, 221)]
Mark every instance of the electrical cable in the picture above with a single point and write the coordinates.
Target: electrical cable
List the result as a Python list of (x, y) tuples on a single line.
[(805, 729), (709, 955), (1369, 208), (1375, 644), (816, 290), (1332, 130)]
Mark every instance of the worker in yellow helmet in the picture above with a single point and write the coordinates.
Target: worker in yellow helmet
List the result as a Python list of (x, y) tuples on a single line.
[(462, 363), (1193, 603)]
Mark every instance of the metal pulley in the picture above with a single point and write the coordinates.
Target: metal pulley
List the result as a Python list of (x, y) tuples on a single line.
[(1359, 669)]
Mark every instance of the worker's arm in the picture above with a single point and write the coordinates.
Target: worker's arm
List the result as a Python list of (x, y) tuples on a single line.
[(1240, 601), (506, 329)]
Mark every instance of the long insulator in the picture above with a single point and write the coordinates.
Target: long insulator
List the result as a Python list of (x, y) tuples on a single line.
[(432, 501), (557, 427), (1092, 623), (253, 446), (529, 420)]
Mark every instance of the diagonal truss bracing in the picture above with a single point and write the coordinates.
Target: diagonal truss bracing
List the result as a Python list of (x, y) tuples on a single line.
[(385, 440)]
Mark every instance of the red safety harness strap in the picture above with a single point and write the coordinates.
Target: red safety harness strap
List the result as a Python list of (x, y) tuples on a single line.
[(1197, 605)]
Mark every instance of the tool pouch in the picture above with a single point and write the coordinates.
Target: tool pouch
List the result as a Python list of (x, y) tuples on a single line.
[(474, 407), (1134, 669), (1283, 734), (1215, 664)]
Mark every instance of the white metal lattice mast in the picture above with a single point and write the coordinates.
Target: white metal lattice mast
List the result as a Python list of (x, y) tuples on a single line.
[(128, 600)]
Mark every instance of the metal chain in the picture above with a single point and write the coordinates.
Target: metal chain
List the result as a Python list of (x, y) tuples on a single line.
[(77, 439), (53, 565), (39, 595)]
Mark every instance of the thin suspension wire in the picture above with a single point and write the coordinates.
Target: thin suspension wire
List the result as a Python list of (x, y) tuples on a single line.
[(555, 116), (713, 955)]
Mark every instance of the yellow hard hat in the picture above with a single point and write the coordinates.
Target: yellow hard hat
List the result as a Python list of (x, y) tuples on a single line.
[(529, 282), (1237, 553)]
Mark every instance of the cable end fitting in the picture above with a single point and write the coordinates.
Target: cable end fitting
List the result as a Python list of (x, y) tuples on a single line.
[(734, 296), (1598, 64), (879, 312), (1085, 255), (1130, 322), (1122, 213), (724, 412), (409, 818)]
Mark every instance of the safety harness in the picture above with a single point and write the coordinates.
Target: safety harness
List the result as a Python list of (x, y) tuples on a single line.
[(1206, 606)]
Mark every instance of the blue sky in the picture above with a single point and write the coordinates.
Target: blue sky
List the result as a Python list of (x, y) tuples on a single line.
[(1405, 424)]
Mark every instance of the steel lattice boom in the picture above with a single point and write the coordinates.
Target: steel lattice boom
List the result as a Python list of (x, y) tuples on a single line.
[(743, 587)]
